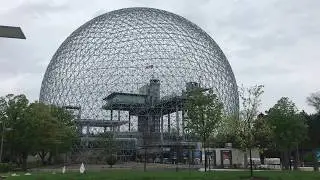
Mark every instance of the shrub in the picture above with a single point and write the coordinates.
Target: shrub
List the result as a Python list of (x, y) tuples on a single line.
[(5, 167), (308, 157), (111, 160)]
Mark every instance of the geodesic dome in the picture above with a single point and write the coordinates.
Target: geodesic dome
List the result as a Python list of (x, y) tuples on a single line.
[(122, 50)]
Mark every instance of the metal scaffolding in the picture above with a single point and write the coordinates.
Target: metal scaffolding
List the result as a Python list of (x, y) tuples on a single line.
[(127, 72)]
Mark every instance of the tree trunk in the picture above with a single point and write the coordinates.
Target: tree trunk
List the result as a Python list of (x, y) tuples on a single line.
[(296, 160), (262, 157), (50, 158), (205, 160), (286, 160), (315, 160), (251, 168), (205, 155), (19, 161), (24, 161), (145, 160), (11, 156), (42, 156)]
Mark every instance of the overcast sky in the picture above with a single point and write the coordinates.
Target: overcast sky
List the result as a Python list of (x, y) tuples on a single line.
[(271, 42)]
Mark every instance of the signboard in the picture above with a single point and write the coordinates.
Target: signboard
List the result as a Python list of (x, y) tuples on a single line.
[(226, 157)]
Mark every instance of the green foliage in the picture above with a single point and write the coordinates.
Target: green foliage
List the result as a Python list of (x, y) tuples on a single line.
[(204, 112), (13, 115), (314, 100), (36, 128), (111, 159), (251, 100), (248, 130), (313, 122), (308, 157), (66, 132), (313, 141), (227, 132), (288, 125), (5, 167), (109, 143), (262, 133), (54, 129), (110, 148)]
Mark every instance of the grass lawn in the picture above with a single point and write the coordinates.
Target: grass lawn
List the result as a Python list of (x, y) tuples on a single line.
[(169, 175)]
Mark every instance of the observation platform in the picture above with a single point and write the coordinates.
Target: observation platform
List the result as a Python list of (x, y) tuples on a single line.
[(137, 104), (100, 123)]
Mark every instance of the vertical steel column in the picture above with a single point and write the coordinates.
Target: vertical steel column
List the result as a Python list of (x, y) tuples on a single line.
[(118, 128), (182, 123), (129, 122), (87, 135), (177, 120), (161, 134), (169, 123), (161, 126), (111, 118), (177, 138)]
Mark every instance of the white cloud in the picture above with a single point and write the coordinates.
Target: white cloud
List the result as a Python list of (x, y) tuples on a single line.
[(270, 42)]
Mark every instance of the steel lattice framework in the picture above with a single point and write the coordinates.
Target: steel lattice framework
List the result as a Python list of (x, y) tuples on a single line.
[(122, 50)]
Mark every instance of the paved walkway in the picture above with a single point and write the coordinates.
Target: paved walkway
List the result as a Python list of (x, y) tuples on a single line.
[(129, 166)]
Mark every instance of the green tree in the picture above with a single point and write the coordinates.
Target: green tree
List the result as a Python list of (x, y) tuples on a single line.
[(314, 125), (313, 142), (21, 138), (36, 128), (204, 114), (244, 127), (44, 129), (314, 100), (262, 135), (227, 132), (54, 128), (288, 126), (66, 131)]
